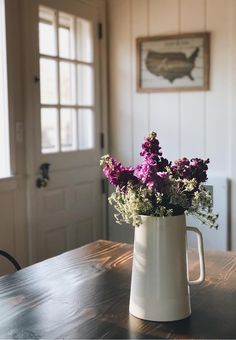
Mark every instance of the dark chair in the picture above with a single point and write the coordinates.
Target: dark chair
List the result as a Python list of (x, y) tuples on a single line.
[(10, 258)]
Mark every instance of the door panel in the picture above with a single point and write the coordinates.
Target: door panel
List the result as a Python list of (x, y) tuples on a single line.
[(69, 211), (55, 241)]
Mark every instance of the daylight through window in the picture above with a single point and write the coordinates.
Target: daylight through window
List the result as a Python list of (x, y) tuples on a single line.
[(66, 82), (4, 117)]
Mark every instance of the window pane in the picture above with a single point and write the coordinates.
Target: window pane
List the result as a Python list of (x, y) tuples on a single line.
[(66, 36), (48, 81), (84, 35), (85, 85), (68, 129), (47, 31), (49, 130), (67, 83), (86, 129)]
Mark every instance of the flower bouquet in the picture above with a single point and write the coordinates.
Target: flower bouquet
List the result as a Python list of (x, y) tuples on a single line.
[(158, 187), (155, 196)]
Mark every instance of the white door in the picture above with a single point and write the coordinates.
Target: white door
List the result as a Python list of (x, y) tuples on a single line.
[(63, 125)]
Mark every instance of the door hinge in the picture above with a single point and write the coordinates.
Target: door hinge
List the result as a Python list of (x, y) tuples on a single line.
[(103, 185), (102, 140), (99, 30)]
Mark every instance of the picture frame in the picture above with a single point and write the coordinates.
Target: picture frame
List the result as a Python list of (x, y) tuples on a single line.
[(171, 63)]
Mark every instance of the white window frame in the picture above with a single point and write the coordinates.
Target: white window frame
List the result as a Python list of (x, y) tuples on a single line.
[(43, 15), (5, 169)]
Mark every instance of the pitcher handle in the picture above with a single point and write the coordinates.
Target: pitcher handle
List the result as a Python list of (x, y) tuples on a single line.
[(201, 257)]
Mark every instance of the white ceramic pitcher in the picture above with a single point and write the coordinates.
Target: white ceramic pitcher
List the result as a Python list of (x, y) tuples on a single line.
[(160, 284)]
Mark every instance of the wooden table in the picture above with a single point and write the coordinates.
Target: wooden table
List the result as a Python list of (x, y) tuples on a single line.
[(84, 294)]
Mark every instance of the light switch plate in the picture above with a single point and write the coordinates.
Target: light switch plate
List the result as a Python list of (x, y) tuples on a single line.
[(213, 239)]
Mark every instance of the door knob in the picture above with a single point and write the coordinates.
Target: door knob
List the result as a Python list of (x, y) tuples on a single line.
[(43, 180)]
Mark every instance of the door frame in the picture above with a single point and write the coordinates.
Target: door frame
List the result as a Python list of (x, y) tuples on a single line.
[(30, 58)]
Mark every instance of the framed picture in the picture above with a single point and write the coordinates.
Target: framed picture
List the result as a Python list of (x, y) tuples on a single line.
[(173, 63)]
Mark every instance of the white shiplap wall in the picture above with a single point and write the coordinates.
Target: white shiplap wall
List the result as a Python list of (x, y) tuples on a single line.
[(191, 124)]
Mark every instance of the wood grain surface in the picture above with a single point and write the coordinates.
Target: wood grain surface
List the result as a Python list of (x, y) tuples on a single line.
[(84, 294)]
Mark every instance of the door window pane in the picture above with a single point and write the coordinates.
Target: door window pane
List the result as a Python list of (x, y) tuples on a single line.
[(84, 34), (66, 36), (85, 85), (68, 129), (67, 83), (47, 31), (67, 87), (49, 130), (86, 129), (48, 81)]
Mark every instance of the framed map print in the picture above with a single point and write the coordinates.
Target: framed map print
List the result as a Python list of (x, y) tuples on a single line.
[(173, 63)]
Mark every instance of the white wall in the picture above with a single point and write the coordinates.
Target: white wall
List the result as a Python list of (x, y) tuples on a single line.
[(191, 124)]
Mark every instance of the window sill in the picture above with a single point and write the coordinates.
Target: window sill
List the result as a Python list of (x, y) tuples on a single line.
[(8, 183)]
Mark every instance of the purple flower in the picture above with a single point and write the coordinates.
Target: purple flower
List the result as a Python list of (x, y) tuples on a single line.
[(151, 146), (117, 174), (152, 171), (188, 169), (151, 174), (157, 186)]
